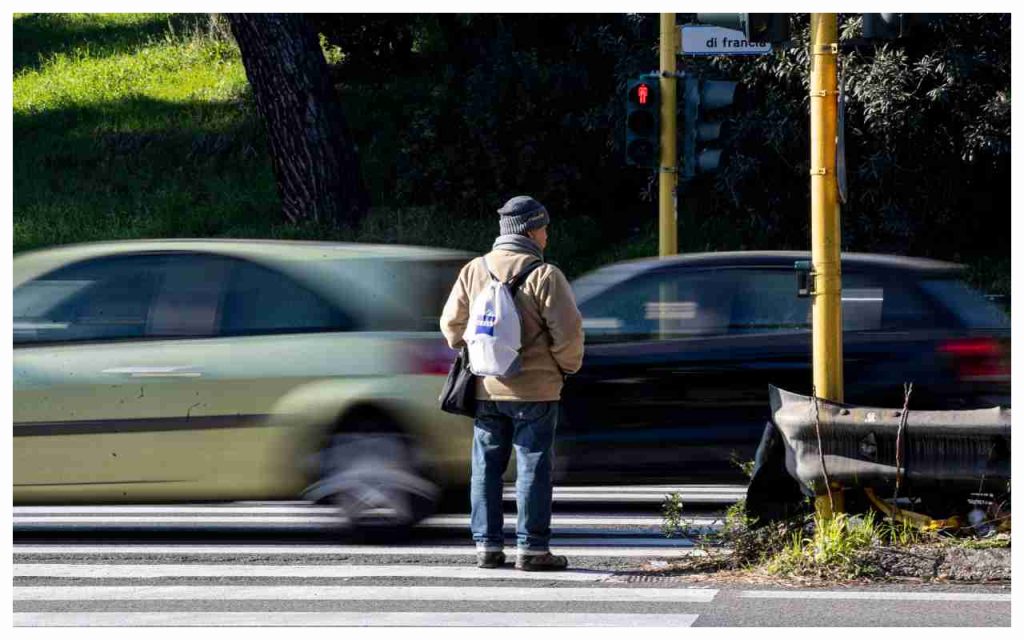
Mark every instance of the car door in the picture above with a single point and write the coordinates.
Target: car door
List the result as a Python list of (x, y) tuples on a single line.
[(181, 410), (99, 383), (676, 374)]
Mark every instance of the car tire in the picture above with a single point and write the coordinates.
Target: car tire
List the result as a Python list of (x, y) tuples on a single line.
[(376, 481)]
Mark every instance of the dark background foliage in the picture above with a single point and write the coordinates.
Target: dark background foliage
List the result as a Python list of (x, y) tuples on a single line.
[(462, 111), (143, 125)]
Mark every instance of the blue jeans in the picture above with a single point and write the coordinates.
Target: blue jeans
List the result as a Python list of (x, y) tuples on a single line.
[(530, 428)]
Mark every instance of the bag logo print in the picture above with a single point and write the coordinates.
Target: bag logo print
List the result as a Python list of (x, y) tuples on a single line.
[(485, 323)]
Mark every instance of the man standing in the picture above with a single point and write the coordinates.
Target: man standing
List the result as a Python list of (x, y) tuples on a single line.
[(519, 410)]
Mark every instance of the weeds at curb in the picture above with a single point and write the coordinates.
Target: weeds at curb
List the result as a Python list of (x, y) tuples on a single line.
[(843, 548)]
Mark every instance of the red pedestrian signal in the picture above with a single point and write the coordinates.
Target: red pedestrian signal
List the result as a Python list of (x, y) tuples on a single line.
[(641, 93)]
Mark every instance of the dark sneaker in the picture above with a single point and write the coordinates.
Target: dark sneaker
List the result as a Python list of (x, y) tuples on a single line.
[(490, 559), (545, 562)]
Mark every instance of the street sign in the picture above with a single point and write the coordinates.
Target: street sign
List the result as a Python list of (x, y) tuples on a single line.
[(702, 40)]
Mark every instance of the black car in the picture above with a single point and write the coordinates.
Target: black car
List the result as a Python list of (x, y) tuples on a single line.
[(680, 353)]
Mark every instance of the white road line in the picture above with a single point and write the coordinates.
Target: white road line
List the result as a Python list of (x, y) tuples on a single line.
[(340, 550), (879, 595), (150, 571), (666, 488), (368, 593), (565, 520), (187, 521), (347, 619), (208, 517), (643, 498), (282, 510)]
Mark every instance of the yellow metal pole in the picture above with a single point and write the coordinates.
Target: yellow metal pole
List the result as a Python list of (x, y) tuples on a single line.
[(826, 303), (668, 243), (825, 235)]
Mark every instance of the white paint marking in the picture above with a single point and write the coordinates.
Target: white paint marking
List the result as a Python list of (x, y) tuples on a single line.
[(368, 593), (150, 571), (662, 488), (277, 515), (282, 510), (349, 619), (165, 520), (340, 550), (879, 595), (641, 498)]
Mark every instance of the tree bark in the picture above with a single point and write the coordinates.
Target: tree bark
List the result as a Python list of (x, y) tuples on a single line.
[(314, 158)]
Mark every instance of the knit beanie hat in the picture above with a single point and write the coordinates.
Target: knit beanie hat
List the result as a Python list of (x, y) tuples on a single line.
[(521, 214)]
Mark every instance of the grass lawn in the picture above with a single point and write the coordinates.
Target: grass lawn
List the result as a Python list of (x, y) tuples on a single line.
[(134, 125)]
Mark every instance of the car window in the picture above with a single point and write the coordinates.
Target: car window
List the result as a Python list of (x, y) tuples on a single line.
[(393, 294), (260, 300), (103, 299), (435, 283), (875, 302), (738, 301), (664, 304), (973, 309), (766, 301), (190, 301)]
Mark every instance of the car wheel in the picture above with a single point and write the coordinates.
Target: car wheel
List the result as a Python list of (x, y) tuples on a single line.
[(375, 481)]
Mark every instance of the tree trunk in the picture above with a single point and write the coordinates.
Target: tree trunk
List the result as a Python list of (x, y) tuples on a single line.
[(313, 154)]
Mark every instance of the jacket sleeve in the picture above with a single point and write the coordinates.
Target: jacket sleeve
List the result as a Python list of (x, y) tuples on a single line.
[(563, 320), (455, 316)]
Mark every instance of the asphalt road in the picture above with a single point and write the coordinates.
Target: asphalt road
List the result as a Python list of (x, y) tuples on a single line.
[(285, 564)]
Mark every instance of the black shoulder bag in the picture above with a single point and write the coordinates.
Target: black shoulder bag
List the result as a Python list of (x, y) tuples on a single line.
[(458, 395)]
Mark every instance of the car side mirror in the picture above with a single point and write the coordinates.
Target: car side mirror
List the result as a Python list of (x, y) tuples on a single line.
[(804, 278)]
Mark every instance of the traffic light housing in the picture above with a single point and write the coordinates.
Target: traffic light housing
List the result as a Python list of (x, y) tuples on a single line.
[(700, 97), (757, 27), (643, 131), (889, 26)]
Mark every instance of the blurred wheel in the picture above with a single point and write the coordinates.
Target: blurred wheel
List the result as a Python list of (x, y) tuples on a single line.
[(375, 480)]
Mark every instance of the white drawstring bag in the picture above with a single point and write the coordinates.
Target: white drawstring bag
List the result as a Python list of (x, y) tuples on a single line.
[(494, 332)]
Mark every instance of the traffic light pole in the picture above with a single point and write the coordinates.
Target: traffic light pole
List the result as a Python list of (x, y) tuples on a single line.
[(826, 300), (668, 176)]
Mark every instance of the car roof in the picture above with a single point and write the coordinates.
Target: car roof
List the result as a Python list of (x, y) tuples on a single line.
[(32, 264), (784, 258)]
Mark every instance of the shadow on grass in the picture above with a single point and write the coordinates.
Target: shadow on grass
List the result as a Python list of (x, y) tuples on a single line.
[(38, 36), (147, 168), (140, 167)]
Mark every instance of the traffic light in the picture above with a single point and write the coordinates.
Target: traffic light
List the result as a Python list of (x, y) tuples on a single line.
[(758, 27), (889, 26), (643, 103), (699, 97)]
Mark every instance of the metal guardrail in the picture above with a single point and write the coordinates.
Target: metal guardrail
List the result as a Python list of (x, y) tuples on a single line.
[(858, 444)]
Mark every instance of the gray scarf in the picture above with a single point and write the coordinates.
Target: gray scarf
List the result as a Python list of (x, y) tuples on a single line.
[(519, 244)]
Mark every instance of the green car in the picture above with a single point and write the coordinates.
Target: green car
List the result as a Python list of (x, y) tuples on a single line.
[(209, 370)]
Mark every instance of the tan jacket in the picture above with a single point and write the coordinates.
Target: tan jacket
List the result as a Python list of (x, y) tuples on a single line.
[(552, 327)]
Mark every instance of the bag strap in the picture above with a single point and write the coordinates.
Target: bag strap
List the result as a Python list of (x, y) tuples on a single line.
[(487, 268), (520, 278)]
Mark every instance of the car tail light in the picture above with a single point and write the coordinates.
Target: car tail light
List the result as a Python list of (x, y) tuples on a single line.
[(431, 358), (978, 359)]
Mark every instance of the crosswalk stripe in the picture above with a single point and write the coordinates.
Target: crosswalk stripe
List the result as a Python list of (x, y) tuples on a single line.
[(645, 497), (189, 521), (358, 619), (364, 593), (150, 571), (185, 518), (663, 488), (339, 550), (878, 595), (285, 509)]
